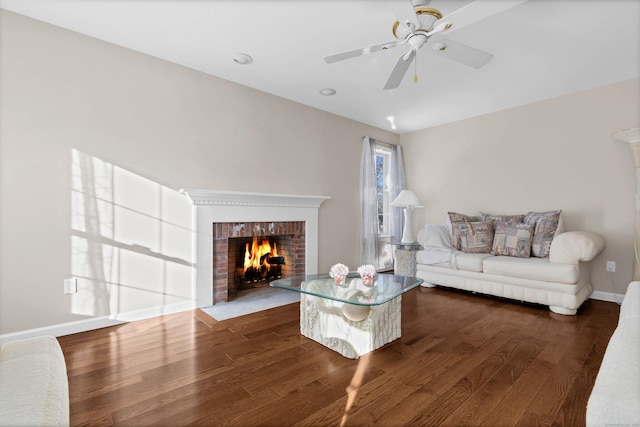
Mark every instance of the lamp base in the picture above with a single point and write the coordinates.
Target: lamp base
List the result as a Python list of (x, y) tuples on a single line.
[(407, 231)]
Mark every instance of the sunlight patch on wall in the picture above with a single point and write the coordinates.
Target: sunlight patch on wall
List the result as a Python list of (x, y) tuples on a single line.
[(131, 244)]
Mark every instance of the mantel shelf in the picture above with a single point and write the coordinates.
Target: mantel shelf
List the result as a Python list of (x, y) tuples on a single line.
[(237, 198)]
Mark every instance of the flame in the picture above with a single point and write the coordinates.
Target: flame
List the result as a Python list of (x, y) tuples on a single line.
[(253, 256)]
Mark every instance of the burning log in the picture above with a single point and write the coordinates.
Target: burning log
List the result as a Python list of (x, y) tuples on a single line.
[(261, 262)]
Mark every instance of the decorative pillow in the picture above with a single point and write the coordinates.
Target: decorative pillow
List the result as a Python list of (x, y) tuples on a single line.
[(512, 239), (456, 218), (503, 218), (545, 227), (476, 237)]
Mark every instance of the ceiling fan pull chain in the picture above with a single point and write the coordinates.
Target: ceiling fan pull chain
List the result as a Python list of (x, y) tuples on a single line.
[(415, 69)]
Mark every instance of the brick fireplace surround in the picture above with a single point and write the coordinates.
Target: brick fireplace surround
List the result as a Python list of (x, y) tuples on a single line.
[(217, 207), (224, 273)]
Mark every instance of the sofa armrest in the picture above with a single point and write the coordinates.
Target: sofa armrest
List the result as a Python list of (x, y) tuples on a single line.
[(435, 236), (34, 388), (572, 247)]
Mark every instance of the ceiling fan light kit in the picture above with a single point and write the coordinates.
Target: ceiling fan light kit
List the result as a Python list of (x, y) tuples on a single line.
[(430, 22)]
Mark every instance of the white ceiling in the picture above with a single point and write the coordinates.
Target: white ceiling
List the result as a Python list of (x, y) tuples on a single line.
[(541, 48)]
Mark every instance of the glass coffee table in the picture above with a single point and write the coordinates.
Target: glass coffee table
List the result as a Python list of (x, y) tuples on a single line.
[(352, 319)]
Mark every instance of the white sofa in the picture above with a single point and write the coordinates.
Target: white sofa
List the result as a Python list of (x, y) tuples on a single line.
[(561, 280), (615, 398), (34, 389)]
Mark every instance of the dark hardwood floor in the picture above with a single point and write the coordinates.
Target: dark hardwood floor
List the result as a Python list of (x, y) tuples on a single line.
[(463, 359)]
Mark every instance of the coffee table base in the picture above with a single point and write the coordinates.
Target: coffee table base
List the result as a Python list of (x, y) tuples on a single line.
[(324, 321)]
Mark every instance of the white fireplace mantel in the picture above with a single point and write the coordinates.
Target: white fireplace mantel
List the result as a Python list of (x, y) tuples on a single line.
[(235, 198), (214, 206)]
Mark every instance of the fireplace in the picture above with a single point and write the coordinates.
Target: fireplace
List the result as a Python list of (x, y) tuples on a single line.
[(256, 260), (228, 210), (235, 243)]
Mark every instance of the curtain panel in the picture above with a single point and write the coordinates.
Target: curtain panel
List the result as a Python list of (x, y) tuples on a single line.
[(372, 247)]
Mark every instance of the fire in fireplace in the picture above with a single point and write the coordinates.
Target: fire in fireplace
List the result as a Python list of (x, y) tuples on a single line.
[(285, 256), (261, 261)]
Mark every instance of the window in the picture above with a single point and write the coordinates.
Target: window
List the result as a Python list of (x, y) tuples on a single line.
[(383, 198), (381, 179), (383, 155)]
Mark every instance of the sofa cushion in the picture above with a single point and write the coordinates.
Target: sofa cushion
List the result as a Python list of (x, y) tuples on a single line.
[(454, 219), (532, 268), (476, 237), (462, 261), (546, 226), (471, 262), (501, 218), (512, 239)]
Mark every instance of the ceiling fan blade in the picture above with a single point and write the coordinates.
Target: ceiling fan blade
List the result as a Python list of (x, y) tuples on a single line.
[(403, 10), (330, 59), (477, 11), (399, 70), (462, 53)]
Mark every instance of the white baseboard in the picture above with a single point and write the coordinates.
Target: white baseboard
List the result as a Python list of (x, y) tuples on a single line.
[(607, 296), (98, 322)]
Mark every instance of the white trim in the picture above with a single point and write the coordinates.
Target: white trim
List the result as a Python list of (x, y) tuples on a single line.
[(607, 296), (97, 322), (232, 206), (237, 198)]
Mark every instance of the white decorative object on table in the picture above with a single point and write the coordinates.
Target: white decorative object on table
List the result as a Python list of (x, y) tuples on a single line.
[(367, 272), (339, 273)]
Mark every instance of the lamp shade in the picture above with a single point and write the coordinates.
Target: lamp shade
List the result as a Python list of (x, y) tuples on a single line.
[(406, 198), (630, 135)]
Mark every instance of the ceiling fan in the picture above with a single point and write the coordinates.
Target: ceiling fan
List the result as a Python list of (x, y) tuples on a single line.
[(417, 23)]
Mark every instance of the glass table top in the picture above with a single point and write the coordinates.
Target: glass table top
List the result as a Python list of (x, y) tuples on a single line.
[(412, 246), (385, 287)]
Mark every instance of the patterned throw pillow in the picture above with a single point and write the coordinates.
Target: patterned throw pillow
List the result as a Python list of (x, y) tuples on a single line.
[(545, 227), (503, 218), (512, 239), (456, 218), (476, 237)]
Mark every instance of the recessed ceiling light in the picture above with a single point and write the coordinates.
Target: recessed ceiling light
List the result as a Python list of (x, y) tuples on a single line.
[(242, 58), (327, 92)]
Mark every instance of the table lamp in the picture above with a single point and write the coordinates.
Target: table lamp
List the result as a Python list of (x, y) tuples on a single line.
[(407, 200)]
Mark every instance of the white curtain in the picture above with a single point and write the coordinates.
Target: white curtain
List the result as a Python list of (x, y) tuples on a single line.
[(371, 244), (370, 233), (396, 185)]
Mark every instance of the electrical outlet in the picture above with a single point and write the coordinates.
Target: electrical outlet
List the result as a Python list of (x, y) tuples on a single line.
[(71, 285), (611, 266)]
